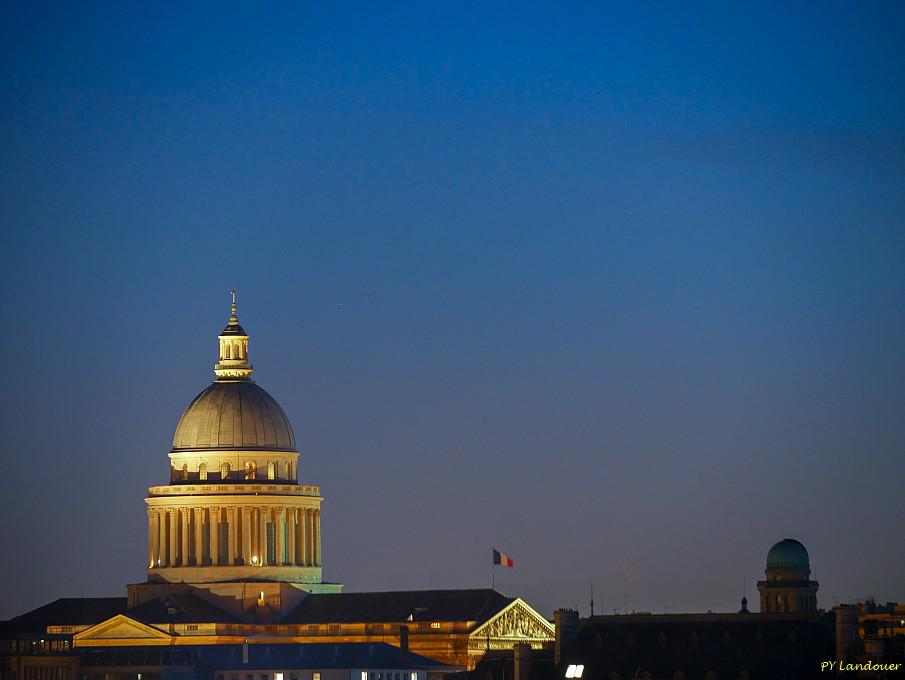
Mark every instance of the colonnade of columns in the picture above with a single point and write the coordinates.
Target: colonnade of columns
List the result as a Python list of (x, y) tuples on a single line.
[(234, 535)]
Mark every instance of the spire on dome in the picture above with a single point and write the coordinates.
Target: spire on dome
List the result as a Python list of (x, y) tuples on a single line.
[(233, 364)]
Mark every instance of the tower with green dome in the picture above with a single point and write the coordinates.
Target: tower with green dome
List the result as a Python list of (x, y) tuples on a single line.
[(788, 587)]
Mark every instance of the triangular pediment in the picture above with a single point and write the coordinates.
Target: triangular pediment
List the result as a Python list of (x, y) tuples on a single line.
[(120, 627), (515, 622)]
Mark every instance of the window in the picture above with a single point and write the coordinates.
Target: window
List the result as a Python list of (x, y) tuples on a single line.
[(284, 527), (289, 470), (575, 670), (364, 675), (205, 544), (224, 470), (316, 675), (334, 628), (249, 470), (435, 624), (185, 471), (277, 676), (271, 470), (223, 543), (202, 471), (271, 543)]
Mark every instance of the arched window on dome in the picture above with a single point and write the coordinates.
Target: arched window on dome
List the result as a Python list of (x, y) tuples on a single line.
[(224, 470), (202, 471), (271, 470), (185, 471), (249, 470)]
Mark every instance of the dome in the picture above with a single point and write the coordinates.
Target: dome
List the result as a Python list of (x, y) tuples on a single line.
[(231, 415), (788, 554)]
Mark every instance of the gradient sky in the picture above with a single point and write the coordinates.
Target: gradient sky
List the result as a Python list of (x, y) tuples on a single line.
[(615, 288)]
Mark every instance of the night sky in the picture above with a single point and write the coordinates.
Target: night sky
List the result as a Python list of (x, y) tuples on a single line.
[(617, 289)]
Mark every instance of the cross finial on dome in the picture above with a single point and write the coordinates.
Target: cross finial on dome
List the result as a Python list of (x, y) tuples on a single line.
[(233, 364)]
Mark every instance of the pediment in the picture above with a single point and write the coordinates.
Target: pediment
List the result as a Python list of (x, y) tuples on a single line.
[(120, 627), (516, 622)]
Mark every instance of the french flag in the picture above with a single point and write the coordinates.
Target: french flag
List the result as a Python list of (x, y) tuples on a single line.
[(501, 559)]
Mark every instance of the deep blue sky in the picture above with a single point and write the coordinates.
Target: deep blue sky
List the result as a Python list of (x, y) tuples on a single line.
[(615, 288)]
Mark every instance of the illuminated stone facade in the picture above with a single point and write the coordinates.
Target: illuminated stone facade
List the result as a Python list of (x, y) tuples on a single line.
[(234, 511), (234, 554)]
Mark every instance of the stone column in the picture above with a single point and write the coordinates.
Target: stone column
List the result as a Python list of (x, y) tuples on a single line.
[(198, 529), (262, 534), (300, 537), (162, 538), (215, 535), (303, 537), (152, 538), (246, 535), (290, 533), (309, 536), (278, 536), (231, 523), (184, 553), (174, 537), (317, 538)]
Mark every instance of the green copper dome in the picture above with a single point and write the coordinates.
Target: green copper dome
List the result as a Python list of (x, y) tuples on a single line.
[(788, 554)]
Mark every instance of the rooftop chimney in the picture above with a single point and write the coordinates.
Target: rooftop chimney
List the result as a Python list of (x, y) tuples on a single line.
[(403, 644), (566, 624)]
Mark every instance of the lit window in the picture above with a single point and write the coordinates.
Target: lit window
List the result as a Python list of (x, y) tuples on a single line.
[(185, 470), (249, 470), (575, 670), (364, 675), (414, 676), (202, 471), (277, 676), (316, 675), (224, 471), (435, 624), (271, 470)]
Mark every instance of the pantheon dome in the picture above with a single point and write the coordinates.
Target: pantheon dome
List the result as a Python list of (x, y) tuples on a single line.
[(234, 415), (234, 512)]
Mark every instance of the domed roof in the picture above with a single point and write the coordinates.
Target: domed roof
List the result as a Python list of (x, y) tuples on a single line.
[(788, 554), (234, 414)]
